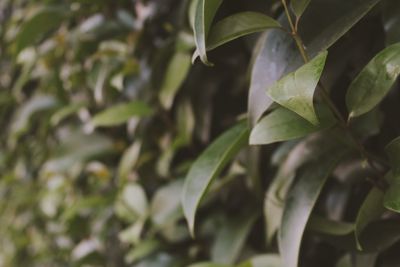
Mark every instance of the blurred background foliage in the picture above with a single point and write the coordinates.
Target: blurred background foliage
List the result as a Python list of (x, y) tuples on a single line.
[(103, 113)]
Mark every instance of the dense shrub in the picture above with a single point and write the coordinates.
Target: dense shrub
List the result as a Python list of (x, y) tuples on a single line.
[(277, 147)]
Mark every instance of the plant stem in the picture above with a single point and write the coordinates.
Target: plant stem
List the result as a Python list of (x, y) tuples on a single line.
[(380, 183)]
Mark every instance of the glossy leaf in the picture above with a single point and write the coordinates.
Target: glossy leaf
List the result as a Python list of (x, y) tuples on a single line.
[(370, 210), (282, 124), (238, 25), (204, 15), (300, 202), (177, 71), (296, 90), (208, 166), (299, 6), (279, 55), (230, 240), (374, 81), (120, 114), (326, 226)]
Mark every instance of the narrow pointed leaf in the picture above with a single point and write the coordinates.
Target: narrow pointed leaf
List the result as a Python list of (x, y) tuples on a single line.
[(204, 15), (296, 90), (282, 124), (208, 166), (299, 6), (121, 113), (239, 25), (177, 71), (374, 81), (299, 206)]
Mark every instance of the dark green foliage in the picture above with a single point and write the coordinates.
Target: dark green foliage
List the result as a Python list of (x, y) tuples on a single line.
[(116, 150)]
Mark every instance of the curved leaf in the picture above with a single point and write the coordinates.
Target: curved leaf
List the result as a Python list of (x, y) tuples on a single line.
[(326, 226), (279, 55), (239, 25), (177, 71), (282, 124), (296, 90), (121, 113), (370, 210), (208, 166), (299, 205), (204, 15), (231, 238), (374, 81)]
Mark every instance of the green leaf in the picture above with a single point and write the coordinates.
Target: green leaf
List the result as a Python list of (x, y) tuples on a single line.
[(23, 116), (299, 6), (282, 124), (267, 260), (300, 203), (230, 239), (208, 166), (40, 23), (65, 112), (165, 207), (175, 75), (204, 15), (370, 210), (128, 160), (326, 226), (121, 113), (392, 195), (279, 56), (374, 81), (296, 90), (134, 197), (238, 25)]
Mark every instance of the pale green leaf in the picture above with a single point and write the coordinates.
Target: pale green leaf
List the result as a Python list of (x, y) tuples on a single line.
[(300, 203), (230, 239), (121, 113), (175, 75), (208, 166), (204, 15), (282, 124), (238, 25), (296, 90), (374, 81), (165, 206)]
